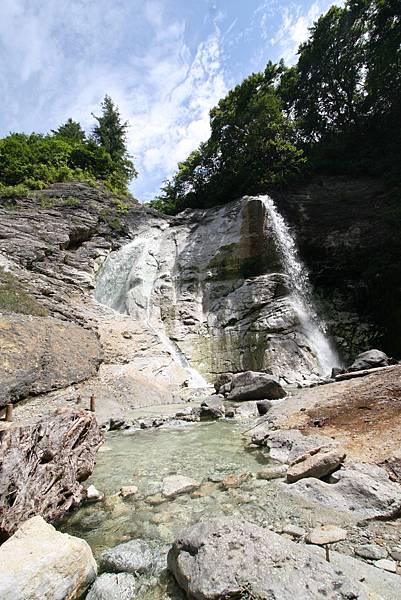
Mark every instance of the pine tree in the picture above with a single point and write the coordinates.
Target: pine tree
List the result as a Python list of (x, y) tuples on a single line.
[(110, 133), (71, 130)]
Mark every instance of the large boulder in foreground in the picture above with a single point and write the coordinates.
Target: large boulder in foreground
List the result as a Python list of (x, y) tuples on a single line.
[(40, 563), (363, 490), (252, 385), (43, 465), (226, 558), (40, 354), (371, 359)]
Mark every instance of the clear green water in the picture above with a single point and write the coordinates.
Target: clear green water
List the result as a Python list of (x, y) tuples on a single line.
[(144, 459)]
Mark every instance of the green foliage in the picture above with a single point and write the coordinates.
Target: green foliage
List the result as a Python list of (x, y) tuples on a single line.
[(15, 298), (251, 148), (338, 110), (71, 131), (32, 162)]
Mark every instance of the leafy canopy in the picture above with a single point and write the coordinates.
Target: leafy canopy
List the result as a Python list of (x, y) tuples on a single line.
[(338, 110)]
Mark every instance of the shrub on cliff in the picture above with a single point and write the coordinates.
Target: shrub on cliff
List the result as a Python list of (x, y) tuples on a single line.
[(34, 161)]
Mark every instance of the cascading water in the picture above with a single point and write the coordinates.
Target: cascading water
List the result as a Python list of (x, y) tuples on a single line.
[(312, 326), (126, 284)]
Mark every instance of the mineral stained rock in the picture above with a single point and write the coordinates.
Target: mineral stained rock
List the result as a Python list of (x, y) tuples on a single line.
[(43, 465)]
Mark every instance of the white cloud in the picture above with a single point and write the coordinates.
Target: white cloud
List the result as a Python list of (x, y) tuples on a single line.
[(294, 30)]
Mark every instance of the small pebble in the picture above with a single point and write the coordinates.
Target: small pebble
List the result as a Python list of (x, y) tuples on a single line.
[(386, 565)]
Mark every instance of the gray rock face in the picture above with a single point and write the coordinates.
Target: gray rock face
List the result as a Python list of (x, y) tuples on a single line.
[(370, 360), (254, 386), (131, 557), (111, 586), (211, 408), (315, 464), (43, 466), (229, 557), (40, 354), (364, 489), (38, 562)]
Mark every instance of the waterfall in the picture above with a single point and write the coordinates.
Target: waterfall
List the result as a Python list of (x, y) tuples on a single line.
[(301, 290), (126, 284)]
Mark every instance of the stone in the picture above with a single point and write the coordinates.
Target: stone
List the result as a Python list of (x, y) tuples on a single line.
[(370, 360), (362, 489), (174, 485), (371, 551), (38, 562), (211, 408), (43, 466), (93, 495), (233, 480), (315, 464), (293, 530), (126, 491), (228, 557), (285, 445), (270, 473), (326, 534), (252, 385), (40, 354), (113, 586), (154, 500), (386, 565), (131, 557), (396, 553), (263, 406)]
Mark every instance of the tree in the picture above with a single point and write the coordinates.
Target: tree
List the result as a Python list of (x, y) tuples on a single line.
[(71, 131)]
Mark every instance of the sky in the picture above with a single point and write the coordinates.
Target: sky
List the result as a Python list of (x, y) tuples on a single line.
[(165, 63)]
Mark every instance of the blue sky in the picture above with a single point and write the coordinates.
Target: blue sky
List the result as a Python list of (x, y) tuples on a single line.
[(164, 62)]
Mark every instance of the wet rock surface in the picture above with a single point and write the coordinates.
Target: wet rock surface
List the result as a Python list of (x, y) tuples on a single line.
[(254, 386)]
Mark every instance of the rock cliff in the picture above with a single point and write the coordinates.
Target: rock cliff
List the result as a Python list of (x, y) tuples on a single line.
[(156, 297)]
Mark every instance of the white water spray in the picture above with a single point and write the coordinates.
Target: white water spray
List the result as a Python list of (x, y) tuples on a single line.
[(126, 284), (301, 291)]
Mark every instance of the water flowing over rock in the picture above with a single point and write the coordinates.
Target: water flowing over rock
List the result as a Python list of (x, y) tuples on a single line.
[(216, 290), (43, 465)]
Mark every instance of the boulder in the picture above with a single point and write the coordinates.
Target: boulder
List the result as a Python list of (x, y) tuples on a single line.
[(113, 586), (286, 445), (131, 557), (38, 562), (211, 408), (174, 485), (252, 385), (40, 354), (43, 466), (229, 557), (362, 489), (317, 464), (370, 360)]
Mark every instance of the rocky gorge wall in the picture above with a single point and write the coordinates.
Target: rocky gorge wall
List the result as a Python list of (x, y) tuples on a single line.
[(206, 287), (213, 286)]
